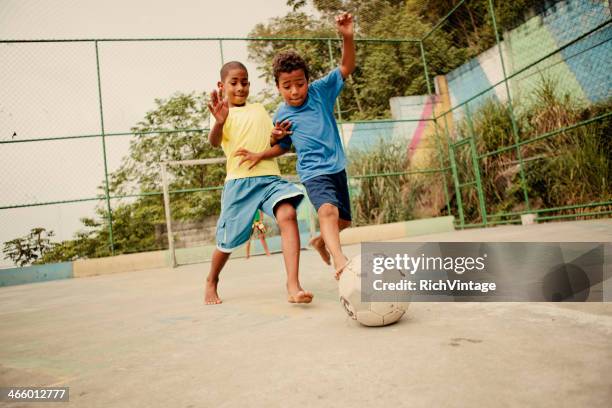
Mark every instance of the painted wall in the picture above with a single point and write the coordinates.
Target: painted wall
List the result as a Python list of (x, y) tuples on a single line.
[(582, 69), (35, 273), (365, 136)]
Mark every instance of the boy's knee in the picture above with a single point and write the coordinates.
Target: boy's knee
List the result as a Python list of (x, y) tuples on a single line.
[(328, 211), (286, 213)]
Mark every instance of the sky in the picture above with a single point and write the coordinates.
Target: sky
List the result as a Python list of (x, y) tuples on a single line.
[(50, 90), (29, 19)]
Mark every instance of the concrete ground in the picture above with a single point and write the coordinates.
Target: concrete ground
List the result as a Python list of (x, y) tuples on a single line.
[(144, 339)]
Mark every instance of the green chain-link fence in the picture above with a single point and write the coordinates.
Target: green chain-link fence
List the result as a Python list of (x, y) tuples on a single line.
[(481, 115)]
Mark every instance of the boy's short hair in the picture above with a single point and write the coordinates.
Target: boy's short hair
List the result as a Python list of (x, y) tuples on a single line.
[(288, 61), (225, 69)]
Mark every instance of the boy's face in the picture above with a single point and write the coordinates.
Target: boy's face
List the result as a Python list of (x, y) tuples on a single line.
[(293, 87), (236, 86)]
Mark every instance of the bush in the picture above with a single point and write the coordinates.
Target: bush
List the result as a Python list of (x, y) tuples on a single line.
[(569, 168)]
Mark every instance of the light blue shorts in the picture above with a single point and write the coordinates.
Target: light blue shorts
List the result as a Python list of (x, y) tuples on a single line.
[(241, 198)]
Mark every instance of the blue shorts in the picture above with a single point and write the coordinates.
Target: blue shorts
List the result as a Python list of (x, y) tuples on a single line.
[(330, 189), (241, 198)]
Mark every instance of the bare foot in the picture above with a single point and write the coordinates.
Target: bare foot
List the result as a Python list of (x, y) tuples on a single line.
[(339, 270), (211, 297), (300, 296), (319, 245)]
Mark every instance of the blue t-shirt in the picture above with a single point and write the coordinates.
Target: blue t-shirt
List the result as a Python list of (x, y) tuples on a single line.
[(315, 132)]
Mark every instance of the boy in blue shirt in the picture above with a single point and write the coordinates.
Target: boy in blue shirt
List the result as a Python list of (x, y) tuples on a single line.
[(321, 160)]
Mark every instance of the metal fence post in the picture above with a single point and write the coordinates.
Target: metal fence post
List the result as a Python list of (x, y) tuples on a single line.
[(476, 166), (441, 152), (338, 109), (453, 164), (108, 206), (164, 174), (221, 51), (332, 66), (512, 118)]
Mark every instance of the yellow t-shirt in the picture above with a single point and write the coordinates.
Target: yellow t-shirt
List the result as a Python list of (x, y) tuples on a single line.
[(247, 126)]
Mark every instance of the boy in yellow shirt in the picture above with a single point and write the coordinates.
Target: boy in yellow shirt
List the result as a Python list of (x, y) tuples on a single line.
[(253, 180)]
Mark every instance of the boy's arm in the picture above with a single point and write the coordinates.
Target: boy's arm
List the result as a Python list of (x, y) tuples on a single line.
[(274, 151), (344, 24), (219, 109), (216, 134)]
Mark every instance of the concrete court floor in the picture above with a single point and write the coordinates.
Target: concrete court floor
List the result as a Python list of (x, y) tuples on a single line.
[(144, 339)]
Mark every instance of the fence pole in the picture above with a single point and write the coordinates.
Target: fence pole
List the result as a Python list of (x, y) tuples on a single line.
[(512, 117), (164, 174), (221, 51), (106, 193), (434, 101), (476, 165), (455, 173), (332, 65)]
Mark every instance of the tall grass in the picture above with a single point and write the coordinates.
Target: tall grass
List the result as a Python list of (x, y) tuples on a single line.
[(374, 199), (384, 198), (570, 168)]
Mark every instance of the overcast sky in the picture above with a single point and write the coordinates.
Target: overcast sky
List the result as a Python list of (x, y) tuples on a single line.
[(27, 19), (50, 90)]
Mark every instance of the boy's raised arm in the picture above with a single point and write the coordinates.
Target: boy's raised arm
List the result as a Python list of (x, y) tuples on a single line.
[(219, 109), (344, 24), (215, 135)]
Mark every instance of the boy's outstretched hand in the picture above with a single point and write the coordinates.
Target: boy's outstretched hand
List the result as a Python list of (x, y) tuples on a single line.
[(254, 158), (281, 129), (218, 107), (344, 24)]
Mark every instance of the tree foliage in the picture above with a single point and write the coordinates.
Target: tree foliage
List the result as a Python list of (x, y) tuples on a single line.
[(30, 248), (167, 133), (161, 136), (384, 69)]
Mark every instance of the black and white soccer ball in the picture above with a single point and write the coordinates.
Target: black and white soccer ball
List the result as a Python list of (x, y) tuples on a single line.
[(366, 313)]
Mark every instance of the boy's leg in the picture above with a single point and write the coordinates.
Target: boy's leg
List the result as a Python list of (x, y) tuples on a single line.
[(282, 200), (238, 206), (330, 196), (330, 225), (248, 248), (319, 244), (286, 218), (219, 258)]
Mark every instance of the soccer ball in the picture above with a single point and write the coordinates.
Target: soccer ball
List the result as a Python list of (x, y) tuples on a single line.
[(366, 313)]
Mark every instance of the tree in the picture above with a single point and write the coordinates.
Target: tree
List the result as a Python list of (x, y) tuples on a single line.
[(160, 137), (166, 133), (387, 69), (384, 69), (170, 132), (30, 248)]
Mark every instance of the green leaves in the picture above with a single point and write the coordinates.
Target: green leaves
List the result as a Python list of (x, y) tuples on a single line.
[(30, 248), (175, 130), (384, 70)]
